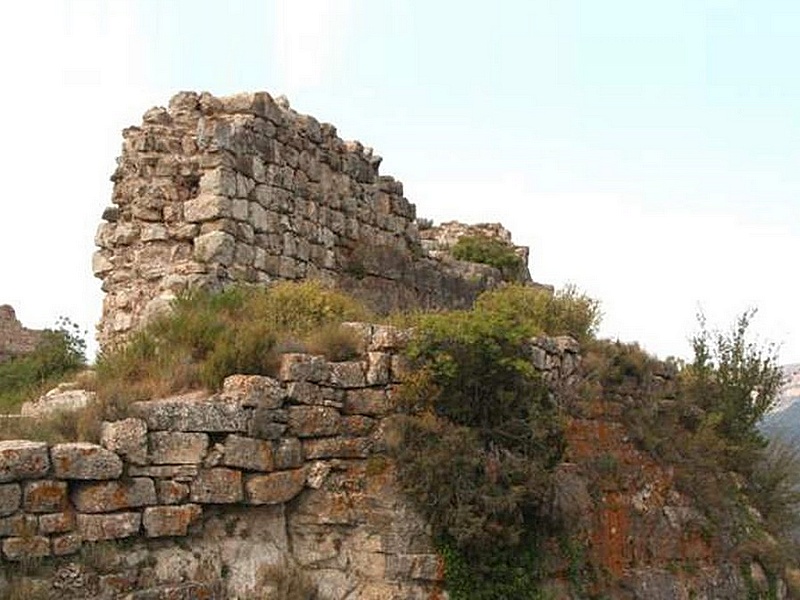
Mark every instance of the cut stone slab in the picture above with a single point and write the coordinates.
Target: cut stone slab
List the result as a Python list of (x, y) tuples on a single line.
[(109, 496), (254, 390), (248, 453), (22, 548), (95, 528), (303, 367), (23, 459), (213, 415), (61, 399), (64, 545), (351, 374), (177, 447), (217, 486), (336, 448), (56, 523), (45, 496), (162, 521), (84, 461), (288, 453), (313, 421), (127, 438), (275, 488), (10, 495)]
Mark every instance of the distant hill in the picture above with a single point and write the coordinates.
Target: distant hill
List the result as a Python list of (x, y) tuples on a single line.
[(784, 420)]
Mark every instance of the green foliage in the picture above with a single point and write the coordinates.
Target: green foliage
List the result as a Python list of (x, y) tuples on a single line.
[(477, 444), (539, 311), (490, 251), (208, 336), (59, 353)]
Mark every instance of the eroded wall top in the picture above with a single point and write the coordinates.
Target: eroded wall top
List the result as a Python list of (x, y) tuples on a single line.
[(244, 189)]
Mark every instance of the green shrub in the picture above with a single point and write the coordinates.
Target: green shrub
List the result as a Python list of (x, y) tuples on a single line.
[(490, 251), (538, 311), (59, 353)]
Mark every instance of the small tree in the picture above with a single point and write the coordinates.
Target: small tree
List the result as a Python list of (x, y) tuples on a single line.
[(735, 380)]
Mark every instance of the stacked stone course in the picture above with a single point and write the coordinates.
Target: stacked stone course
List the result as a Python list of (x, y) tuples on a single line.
[(302, 454), (15, 340), (243, 189)]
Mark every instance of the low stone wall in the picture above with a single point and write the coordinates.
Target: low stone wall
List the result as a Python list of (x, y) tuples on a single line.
[(244, 189), (227, 495)]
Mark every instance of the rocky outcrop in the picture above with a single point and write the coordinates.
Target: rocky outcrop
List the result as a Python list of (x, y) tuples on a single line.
[(243, 189), (15, 340)]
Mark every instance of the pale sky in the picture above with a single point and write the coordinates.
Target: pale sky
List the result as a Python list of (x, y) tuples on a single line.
[(646, 151)]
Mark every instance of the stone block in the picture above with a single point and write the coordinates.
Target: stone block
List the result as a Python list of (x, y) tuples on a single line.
[(23, 459), (357, 426), (177, 447), (274, 488), (303, 367), (23, 548), (336, 448), (215, 247), (10, 495), (214, 415), (254, 390), (368, 402), (248, 453), (217, 486), (128, 438), (109, 496), (19, 525), (401, 368), (264, 424), (162, 521), (288, 453), (379, 368), (207, 207), (61, 522), (177, 472), (95, 528), (45, 496), (171, 492), (313, 421), (386, 338), (349, 374), (303, 392), (64, 545), (81, 460)]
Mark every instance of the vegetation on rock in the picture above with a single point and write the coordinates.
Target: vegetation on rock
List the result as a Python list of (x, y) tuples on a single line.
[(490, 251)]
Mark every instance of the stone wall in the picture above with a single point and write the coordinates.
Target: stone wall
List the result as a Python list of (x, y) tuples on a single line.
[(223, 496), (244, 189), (15, 340)]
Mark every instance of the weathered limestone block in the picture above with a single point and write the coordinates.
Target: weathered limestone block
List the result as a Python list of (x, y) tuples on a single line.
[(109, 496), (368, 402), (162, 521), (95, 528), (217, 486), (177, 447), (267, 424), (313, 421), (215, 247), (22, 548), (274, 488), (215, 415), (386, 338), (254, 390), (248, 453), (336, 448), (303, 367), (350, 374), (128, 438), (22, 459), (81, 460), (45, 496), (64, 545), (171, 492), (19, 525), (288, 454), (207, 207), (60, 522), (10, 495), (379, 369), (303, 392), (177, 472), (357, 426)]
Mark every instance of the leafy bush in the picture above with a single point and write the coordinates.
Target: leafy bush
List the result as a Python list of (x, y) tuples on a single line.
[(539, 311), (208, 336), (490, 251), (476, 444), (59, 353)]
